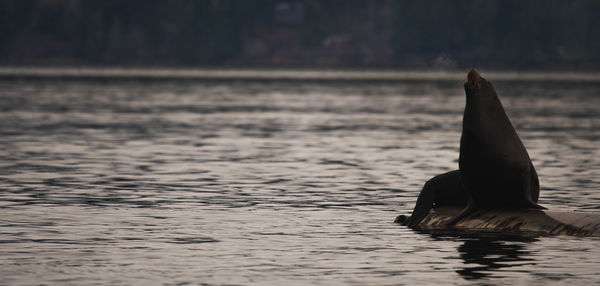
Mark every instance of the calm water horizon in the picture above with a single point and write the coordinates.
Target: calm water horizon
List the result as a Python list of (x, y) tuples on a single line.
[(114, 177)]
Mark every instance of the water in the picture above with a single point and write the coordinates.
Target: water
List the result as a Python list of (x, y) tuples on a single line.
[(122, 180)]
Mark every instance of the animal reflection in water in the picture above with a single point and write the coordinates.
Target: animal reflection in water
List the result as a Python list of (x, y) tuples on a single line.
[(483, 256)]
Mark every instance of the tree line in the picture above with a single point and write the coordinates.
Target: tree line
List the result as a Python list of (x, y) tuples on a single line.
[(302, 33)]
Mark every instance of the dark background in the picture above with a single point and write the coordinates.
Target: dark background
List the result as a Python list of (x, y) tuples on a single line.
[(295, 33)]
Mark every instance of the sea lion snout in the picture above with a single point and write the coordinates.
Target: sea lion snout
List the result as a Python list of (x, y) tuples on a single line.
[(473, 80)]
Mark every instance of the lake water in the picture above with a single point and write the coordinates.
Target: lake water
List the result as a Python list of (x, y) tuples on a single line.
[(242, 180)]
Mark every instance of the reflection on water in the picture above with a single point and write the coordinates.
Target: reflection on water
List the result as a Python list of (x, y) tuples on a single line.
[(272, 182), (485, 256)]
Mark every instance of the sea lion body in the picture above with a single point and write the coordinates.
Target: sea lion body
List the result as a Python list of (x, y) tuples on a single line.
[(495, 169), (441, 190)]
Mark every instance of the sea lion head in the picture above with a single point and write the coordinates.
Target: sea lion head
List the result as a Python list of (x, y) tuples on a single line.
[(473, 80), (478, 86)]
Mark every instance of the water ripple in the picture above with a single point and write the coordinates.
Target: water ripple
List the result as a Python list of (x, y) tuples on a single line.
[(272, 182)]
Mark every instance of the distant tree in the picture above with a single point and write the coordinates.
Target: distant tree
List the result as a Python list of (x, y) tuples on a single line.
[(303, 32)]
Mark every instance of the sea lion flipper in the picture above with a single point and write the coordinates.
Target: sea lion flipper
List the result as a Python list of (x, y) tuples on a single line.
[(441, 190), (423, 205), (465, 212), (534, 190), (536, 206), (533, 205), (535, 183)]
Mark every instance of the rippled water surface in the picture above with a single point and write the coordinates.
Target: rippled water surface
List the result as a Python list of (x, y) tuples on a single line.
[(273, 182)]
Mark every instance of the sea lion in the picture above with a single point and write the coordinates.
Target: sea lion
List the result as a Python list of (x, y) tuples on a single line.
[(495, 169), (441, 190)]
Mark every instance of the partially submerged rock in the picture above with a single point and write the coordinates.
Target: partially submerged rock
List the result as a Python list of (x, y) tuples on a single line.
[(520, 221)]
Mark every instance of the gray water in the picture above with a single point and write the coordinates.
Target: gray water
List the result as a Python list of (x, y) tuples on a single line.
[(124, 181)]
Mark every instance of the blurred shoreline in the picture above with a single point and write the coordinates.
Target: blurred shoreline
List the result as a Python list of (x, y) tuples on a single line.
[(386, 34), (33, 72)]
